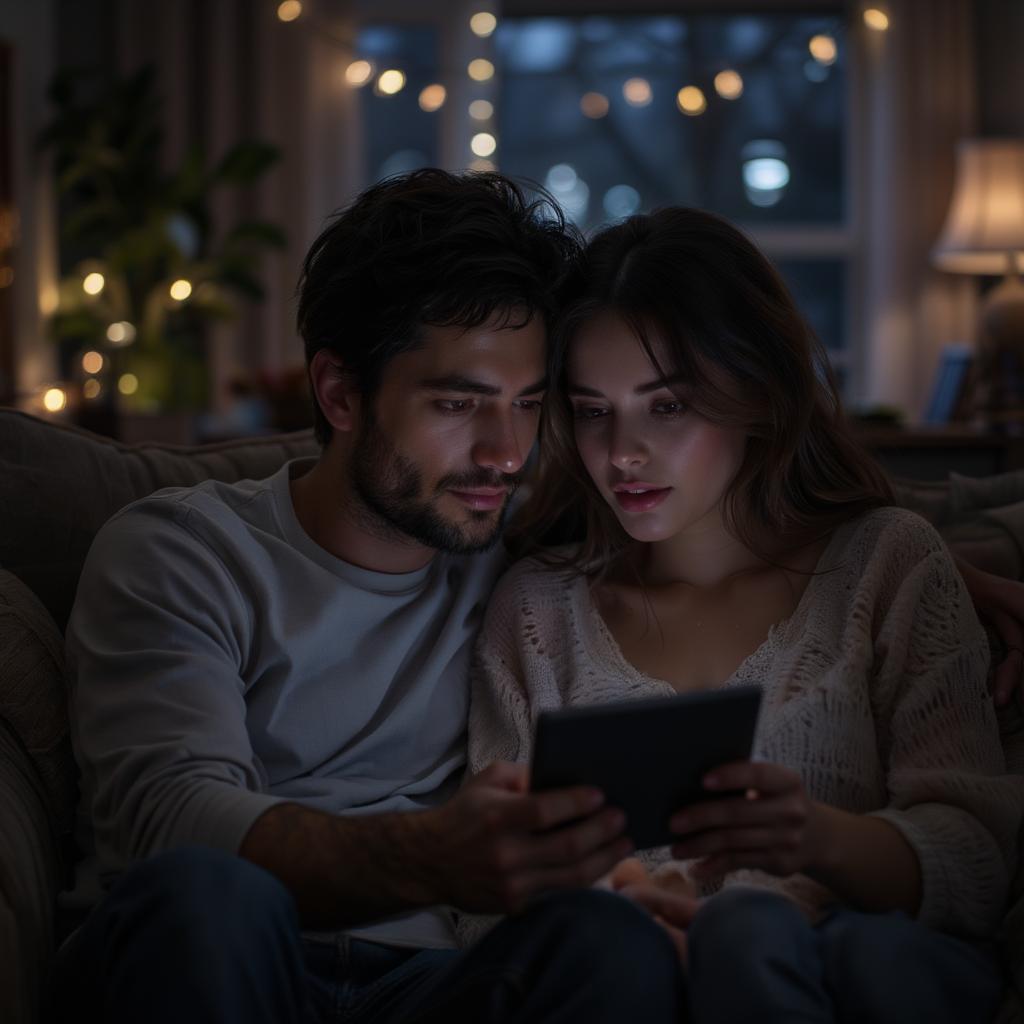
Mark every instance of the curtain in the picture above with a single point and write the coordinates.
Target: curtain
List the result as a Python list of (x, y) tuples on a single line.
[(919, 101), (228, 71)]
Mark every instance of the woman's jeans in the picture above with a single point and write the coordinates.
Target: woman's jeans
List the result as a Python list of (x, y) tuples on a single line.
[(753, 956), (202, 936)]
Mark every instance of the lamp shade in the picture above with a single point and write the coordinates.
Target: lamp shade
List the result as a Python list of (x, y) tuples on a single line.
[(985, 223)]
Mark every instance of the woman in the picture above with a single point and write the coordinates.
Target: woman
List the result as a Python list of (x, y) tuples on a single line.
[(734, 533)]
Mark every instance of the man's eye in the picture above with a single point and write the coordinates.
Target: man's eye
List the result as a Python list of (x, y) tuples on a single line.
[(453, 404), (529, 404)]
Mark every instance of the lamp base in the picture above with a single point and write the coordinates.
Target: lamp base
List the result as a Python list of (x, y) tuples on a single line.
[(1000, 380)]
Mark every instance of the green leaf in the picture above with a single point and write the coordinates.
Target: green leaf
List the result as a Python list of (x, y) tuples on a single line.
[(245, 162)]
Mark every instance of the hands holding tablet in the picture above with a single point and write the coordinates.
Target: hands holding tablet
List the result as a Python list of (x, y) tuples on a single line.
[(766, 822)]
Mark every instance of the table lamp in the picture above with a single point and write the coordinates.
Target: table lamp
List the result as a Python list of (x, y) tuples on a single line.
[(984, 234)]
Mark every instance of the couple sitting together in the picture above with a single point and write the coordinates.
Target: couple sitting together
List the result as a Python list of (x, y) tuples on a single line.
[(272, 679)]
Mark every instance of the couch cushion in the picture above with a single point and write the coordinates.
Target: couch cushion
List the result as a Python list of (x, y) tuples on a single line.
[(59, 484), (33, 699)]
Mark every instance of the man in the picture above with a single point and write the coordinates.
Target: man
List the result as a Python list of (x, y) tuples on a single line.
[(271, 694)]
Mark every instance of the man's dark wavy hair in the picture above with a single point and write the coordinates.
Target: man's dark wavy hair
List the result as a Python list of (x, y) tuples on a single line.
[(429, 248)]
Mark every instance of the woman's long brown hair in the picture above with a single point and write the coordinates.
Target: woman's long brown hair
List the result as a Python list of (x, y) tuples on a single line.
[(745, 357)]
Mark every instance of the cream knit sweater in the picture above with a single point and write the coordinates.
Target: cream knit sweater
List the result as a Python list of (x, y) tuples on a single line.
[(874, 690)]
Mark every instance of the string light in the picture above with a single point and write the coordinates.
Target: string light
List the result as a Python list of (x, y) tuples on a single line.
[(432, 98), (483, 144), (594, 104), (823, 49), (358, 73), (180, 290), (54, 399), (127, 383), (875, 19), (121, 333), (729, 84), (691, 101), (482, 165), (481, 110), (91, 388), (637, 92), (480, 70), (391, 81), (92, 362), (483, 23), (93, 283), (289, 10)]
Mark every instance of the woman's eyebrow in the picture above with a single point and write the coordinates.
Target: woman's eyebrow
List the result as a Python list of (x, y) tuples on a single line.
[(642, 389)]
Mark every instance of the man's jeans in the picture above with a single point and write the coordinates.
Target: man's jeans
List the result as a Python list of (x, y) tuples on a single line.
[(201, 936), (755, 957)]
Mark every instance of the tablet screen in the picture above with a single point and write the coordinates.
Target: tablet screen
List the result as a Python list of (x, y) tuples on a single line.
[(647, 756)]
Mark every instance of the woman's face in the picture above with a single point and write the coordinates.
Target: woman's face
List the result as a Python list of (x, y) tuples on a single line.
[(661, 467)]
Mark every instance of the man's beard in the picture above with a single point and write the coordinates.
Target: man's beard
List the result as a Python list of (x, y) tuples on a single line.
[(390, 487)]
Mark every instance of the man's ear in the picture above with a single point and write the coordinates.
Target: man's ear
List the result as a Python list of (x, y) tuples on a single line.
[(335, 390)]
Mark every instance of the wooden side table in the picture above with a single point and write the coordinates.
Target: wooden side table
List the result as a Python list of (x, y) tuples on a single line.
[(932, 453)]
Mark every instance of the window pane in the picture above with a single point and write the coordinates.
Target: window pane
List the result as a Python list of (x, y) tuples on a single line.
[(399, 135), (591, 107)]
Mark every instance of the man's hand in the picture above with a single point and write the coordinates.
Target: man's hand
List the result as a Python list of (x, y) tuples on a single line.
[(1001, 602), (494, 846)]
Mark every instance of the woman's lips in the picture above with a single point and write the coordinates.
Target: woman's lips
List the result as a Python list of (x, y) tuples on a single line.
[(639, 497)]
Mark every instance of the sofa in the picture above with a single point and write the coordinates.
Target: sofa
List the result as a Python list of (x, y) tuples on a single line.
[(58, 484)]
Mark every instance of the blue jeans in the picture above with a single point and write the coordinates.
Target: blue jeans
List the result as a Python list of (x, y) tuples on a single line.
[(201, 936), (753, 956)]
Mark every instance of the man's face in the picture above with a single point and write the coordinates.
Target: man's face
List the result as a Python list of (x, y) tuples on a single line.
[(442, 443)]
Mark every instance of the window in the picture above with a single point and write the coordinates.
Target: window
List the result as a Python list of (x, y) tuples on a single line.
[(743, 114)]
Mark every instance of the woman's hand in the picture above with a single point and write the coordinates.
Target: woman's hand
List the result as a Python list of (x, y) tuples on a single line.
[(666, 894), (1001, 602), (767, 822)]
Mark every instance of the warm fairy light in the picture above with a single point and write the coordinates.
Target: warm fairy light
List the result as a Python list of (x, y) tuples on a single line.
[(432, 98), (359, 72), (823, 49), (93, 283), (729, 85), (391, 81), (91, 388), (594, 104), (691, 101), (483, 23), (481, 110), (121, 333), (54, 399), (127, 383), (480, 70), (637, 92), (181, 289), (483, 144), (480, 164), (92, 362), (876, 19), (289, 10)]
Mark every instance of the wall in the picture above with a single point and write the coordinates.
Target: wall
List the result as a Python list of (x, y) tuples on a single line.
[(29, 29)]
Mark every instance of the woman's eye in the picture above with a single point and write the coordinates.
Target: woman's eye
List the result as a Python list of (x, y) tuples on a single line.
[(669, 408), (589, 412)]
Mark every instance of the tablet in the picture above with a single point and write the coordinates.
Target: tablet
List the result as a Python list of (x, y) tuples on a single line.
[(647, 756)]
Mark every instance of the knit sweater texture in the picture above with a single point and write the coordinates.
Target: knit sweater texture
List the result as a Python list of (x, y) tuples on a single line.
[(874, 691)]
